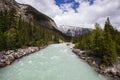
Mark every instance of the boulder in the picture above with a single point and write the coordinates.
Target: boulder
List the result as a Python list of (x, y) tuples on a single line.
[(118, 74), (9, 52), (76, 51), (11, 57), (6, 58), (2, 52), (2, 64), (8, 62)]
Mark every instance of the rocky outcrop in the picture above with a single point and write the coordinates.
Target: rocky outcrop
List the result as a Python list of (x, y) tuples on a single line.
[(7, 57), (112, 72), (28, 13)]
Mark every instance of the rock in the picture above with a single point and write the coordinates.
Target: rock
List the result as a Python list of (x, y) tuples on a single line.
[(70, 45), (11, 57), (112, 72), (77, 51), (89, 61), (9, 52), (6, 58), (93, 62), (2, 52), (2, 64), (2, 60), (118, 74), (8, 62)]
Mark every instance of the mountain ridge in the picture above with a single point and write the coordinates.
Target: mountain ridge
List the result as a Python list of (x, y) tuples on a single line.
[(27, 13), (73, 30), (22, 25)]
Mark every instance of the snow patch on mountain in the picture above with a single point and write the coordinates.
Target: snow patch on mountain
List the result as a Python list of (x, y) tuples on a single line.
[(73, 30)]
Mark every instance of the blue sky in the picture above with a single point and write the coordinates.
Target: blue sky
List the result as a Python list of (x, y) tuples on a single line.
[(74, 6), (81, 13), (75, 3)]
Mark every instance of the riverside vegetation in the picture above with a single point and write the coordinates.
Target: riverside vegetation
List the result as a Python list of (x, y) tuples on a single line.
[(101, 43), (101, 49), (23, 29)]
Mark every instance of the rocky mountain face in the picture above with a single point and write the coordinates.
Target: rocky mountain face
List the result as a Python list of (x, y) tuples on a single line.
[(73, 31), (27, 13), (22, 25)]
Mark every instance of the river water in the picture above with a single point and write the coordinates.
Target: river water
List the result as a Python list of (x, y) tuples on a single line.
[(56, 62)]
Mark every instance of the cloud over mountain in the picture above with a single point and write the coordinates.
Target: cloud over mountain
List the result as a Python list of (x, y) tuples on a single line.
[(84, 13)]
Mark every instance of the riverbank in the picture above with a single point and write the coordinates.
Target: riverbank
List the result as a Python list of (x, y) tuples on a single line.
[(113, 72), (8, 57)]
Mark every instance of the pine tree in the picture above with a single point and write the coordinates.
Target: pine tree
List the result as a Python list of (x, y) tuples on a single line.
[(109, 48), (98, 41)]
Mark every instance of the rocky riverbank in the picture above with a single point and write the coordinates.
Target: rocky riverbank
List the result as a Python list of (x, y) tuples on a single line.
[(113, 72), (7, 57)]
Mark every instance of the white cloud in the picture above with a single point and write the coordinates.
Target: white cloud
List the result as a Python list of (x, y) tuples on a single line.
[(67, 7), (47, 7), (86, 16)]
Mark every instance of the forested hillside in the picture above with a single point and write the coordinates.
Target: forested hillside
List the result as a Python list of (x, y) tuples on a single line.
[(101, 43), (16, 32)]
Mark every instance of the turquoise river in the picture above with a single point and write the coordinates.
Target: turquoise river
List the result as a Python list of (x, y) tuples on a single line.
[(56, 62)]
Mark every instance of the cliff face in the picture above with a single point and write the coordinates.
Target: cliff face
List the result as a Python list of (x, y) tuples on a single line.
[(27, 13), (22, 25)]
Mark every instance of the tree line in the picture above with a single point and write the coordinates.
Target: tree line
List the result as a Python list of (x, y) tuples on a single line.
[(101, 43), (15, 32)]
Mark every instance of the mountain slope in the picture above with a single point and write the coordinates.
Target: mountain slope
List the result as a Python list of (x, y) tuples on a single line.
[(27, 13), (21, 25)]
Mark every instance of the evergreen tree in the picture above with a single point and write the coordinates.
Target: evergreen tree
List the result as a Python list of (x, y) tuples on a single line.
[(109, 48), (98, 41), (103, 44), (15, 32)]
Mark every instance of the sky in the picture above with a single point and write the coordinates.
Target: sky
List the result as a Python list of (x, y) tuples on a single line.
[(82, 13)]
